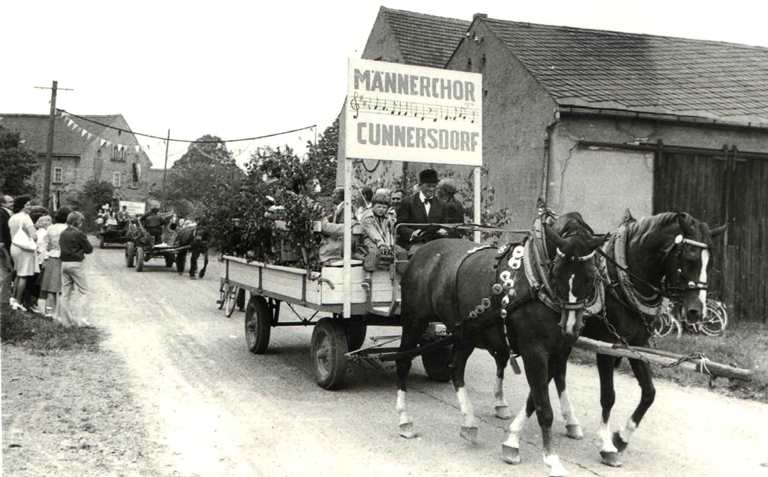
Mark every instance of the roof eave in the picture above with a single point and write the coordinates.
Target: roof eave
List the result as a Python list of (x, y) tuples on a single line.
[(686, 118)]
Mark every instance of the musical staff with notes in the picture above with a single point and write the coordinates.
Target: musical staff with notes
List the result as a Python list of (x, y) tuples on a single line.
[(428, 112)]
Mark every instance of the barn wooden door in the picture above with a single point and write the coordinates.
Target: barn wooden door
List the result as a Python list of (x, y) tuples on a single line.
[(718, 187)]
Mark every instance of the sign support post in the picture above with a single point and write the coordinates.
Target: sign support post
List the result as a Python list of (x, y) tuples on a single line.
[(478, 197), (347, 309)]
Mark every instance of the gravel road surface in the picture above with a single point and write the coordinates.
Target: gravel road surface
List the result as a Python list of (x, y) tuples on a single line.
[(216, 409)]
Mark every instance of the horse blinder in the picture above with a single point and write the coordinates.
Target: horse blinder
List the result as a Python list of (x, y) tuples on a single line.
[(676, 250)]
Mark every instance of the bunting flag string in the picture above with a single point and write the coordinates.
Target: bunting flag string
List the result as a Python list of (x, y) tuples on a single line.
[(85, 133)]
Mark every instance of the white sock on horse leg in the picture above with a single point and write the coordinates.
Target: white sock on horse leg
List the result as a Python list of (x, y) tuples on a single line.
[(513, 440), (567, 410), (628, 430), (466, 407), (498, 393), (402, 408), (556, 467), (605, 435)]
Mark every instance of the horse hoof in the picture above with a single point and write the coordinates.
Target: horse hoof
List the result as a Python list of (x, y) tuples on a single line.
[(406, 430), (469, 433), (574, 431), (510, 455), (610, 459), (503, 412), (620, 443)]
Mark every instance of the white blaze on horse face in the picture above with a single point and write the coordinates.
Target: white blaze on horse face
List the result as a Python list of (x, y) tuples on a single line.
[(571, 322), (703, 281), (605, 435), (466, 407)]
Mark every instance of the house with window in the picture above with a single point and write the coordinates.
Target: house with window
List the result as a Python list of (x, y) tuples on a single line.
[(602, 121), (78, 158)]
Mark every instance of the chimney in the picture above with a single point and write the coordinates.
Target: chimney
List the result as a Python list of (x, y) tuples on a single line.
[(479, 15)]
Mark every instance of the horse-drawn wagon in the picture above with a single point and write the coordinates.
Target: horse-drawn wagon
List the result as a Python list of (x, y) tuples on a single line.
[(141, 248), (113, 234), (335, 340)]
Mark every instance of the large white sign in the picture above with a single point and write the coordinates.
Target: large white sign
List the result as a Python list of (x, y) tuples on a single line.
[(397, 112)]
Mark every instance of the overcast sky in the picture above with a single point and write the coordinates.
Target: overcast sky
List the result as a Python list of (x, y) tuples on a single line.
[(241, 69)]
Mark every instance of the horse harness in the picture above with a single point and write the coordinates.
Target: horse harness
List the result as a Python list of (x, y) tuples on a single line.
[(522, 275), (614, 272)]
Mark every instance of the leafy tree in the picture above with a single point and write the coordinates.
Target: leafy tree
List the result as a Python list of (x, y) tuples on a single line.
[(17, 163), (321, 163), (200, 175), (93, 195)]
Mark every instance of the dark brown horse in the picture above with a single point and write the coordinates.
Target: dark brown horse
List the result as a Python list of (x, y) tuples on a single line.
[(538, 290), (665, 254)]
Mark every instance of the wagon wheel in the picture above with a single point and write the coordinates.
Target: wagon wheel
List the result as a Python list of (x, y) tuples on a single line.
[(258, 322), (437, 363), (139, 259), (130, 249), (230, 300), (329, 344), (355, 334), (222, 295), (170, 259)]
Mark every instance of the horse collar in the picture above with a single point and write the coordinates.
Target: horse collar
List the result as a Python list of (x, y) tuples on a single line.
[(647, 305)]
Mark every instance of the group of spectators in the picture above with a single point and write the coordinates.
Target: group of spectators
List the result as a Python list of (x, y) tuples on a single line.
[(375, 241), (41, 261)]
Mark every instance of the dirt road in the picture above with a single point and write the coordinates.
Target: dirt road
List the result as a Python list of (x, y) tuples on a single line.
[(215, 409)]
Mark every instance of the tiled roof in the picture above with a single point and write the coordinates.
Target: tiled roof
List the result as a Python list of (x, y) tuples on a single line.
[(33, 129), (425, 40), (644, 73)]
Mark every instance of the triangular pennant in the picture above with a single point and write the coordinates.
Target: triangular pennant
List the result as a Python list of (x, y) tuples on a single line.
[(102, 143), (83, 133), (90, 135)]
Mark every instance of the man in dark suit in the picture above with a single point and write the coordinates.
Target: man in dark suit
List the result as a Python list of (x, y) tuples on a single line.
[(6, 264), (421, 208)]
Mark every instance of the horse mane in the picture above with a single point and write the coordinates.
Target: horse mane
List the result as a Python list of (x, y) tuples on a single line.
[(646, 229), (574, 223)]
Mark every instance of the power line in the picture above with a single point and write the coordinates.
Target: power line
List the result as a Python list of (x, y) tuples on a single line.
[(313, 126)]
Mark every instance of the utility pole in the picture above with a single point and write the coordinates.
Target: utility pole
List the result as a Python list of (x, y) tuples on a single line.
[(165, 164), (49, 150)]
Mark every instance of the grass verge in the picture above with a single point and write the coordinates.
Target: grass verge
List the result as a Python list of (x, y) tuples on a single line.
[(743, 345), (41, 334)]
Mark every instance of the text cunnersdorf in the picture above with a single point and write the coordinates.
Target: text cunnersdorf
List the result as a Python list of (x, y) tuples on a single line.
[(425, 86), (406, 136)]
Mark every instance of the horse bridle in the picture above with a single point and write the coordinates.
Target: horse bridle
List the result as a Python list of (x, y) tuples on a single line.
[(676, 249)]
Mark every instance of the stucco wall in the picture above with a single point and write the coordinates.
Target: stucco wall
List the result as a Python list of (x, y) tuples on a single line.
[(516, 113), (601, 183)]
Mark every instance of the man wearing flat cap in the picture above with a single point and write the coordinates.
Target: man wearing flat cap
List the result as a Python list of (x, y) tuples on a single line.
[(422, 207)]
